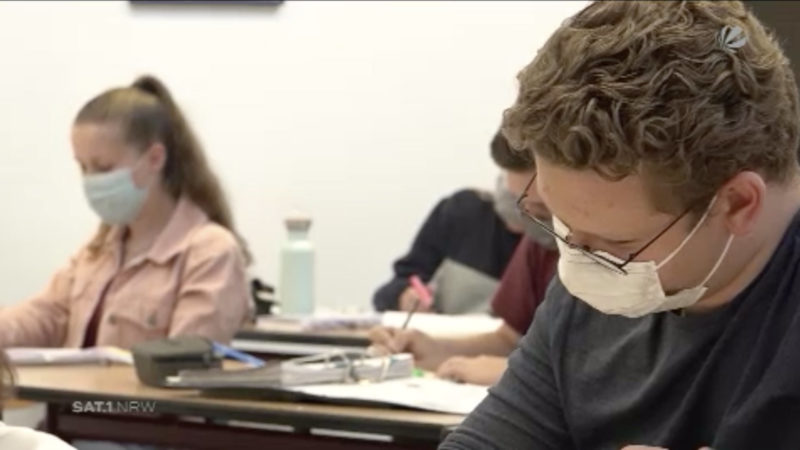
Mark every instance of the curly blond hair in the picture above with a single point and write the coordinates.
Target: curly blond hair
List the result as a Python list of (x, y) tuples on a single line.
[(654, 88)]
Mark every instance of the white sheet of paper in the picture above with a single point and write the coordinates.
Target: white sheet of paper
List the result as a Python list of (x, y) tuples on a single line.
[(432, 324), (319, 321), (40, 356), (431, 394), (443, 325)]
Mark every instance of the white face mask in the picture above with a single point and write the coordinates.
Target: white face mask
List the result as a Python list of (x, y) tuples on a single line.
[(538, 234), (505, 205), (633, 295), (114, 196)]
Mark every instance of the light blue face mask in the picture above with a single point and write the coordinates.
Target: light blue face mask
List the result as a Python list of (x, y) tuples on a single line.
[(114, 196)]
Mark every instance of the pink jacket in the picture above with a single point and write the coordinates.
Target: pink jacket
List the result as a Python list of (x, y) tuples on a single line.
[(191, 281)]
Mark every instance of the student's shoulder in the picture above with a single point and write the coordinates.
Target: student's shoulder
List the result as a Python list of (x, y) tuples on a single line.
[(467, 203), (558, 301), (211, 238), (474, 197)]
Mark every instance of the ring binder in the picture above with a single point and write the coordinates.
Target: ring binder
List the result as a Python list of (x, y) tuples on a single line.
[(330, 367)]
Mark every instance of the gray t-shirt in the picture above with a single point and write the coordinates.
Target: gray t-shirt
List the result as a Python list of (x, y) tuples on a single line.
[(585, 380)]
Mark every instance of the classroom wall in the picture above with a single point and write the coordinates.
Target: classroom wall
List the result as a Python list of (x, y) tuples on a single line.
[(361, 114)]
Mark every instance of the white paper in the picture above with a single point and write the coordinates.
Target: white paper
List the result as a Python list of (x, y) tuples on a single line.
[(431, 394), (340, 321), (443, 325), (439, 325), (41, 356), (319, 321)]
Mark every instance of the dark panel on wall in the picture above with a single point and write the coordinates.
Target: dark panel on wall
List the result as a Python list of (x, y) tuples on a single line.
[(783, 17)]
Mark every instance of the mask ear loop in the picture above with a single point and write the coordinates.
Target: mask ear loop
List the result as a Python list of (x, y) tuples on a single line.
[(689, 236), (719, 261), (136, 165)]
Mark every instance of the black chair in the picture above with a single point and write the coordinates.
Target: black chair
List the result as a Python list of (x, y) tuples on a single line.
[(263, 296)]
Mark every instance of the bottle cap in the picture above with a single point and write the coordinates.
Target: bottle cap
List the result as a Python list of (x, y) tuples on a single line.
[(298, 222)]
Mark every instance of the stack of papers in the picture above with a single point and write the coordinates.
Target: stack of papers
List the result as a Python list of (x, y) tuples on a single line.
[(40, 356)]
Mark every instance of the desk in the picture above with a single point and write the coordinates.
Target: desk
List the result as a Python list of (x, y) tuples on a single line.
[(183, 418)]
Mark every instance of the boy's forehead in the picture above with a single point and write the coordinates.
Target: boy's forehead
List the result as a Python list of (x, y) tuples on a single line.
[(587, 202)]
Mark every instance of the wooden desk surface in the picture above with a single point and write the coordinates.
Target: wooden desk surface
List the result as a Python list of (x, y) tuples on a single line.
[(66, 384)]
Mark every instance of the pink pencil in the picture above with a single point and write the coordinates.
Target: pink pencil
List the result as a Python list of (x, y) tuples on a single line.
[(423, 295)]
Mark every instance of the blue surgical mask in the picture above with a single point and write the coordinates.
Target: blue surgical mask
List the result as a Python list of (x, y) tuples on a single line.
[(114, 196)]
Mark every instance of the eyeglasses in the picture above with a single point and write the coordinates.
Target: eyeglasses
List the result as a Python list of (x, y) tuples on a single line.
[(608, 263)]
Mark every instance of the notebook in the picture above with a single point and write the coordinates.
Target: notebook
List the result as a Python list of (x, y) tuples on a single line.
[(460, 289)]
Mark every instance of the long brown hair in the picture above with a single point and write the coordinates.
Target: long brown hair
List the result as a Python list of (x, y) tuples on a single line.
[(146, 113)]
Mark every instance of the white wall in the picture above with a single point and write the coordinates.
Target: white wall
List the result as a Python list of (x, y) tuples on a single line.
[(362, 114)]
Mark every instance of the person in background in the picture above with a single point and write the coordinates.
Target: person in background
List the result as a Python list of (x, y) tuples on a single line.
[(482, 358), (22, 438), (665, 136), (465, 243), (165, 260)]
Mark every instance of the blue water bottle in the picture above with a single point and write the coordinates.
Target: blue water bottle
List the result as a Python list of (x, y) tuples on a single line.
[(296, 288)]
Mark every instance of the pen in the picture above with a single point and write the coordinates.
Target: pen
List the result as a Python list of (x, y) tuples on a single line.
[(423, 295), (237, 355)]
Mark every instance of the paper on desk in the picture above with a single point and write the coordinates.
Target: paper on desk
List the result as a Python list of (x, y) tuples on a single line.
[(320, 321), (443, 325), (339, 321), (431, 394), (41, 356), (432, 324)]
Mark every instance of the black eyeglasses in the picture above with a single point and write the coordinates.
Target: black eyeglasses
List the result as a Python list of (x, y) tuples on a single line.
[(604, 261)]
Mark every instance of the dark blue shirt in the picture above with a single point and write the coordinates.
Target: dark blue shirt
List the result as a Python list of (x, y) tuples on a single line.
[(463, 228), (581, 379)]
